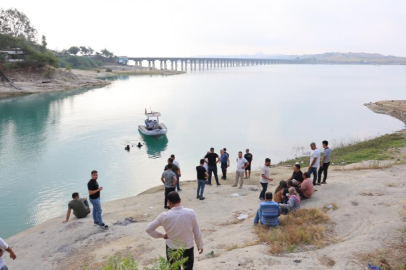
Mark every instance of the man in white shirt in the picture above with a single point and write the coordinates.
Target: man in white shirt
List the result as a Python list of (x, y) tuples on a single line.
[(264, 178), (314, 162), (181, 226), (242, 163), (4, 246), (177, 175)]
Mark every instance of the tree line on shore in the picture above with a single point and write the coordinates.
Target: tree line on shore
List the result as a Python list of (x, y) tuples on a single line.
[(16, 31)]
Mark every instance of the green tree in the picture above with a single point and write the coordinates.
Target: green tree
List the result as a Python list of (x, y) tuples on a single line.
[(74, 50), (44, 44), (106, 53), (17, 24), (84, 50)]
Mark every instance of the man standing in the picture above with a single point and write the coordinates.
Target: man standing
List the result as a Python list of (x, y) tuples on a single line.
[(181, 226), (264, 178), (225, 163), (268, 212), (242, 163), (249, 158), (80, 207), (213, 159), (314, 162), (326, 162), (202, 175), (169, 179), (94, 195), (177, 174), (4, 246)]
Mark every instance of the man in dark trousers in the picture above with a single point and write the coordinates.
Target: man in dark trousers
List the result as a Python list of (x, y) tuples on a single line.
[(213, 159), (249, 158), (94, 195), (325, 163), (169, 179), (181, 229)]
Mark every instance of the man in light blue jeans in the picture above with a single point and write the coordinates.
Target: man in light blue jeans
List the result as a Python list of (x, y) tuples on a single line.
[(94, 197), (97, 210), (202, 175)]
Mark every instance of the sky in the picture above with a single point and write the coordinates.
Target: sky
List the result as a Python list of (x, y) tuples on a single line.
[(220, 27)]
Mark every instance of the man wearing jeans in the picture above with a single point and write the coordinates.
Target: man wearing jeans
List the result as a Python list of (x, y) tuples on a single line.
[(268, 212), (314, 162), (242, 163), (201, 179), (264, 178), (326, 162), (212, 160), (94, 195)]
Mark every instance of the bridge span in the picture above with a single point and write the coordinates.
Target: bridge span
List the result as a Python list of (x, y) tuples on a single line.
[(207, 62)]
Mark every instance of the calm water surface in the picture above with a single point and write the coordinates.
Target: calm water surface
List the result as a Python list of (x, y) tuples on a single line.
[(49, 143)]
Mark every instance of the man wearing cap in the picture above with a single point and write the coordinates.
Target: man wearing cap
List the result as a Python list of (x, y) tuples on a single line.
[(264, 178)]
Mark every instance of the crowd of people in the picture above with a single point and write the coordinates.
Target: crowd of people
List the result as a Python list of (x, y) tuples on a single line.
[(180, 224)]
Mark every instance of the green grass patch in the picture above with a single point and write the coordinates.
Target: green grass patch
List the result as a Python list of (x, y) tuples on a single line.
[(381, 148)]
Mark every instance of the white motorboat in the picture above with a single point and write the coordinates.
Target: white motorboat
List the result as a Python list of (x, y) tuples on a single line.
[(152, 126)]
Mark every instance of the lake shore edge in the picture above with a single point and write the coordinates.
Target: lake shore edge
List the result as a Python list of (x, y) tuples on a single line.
[(70, 245), (63, 80)]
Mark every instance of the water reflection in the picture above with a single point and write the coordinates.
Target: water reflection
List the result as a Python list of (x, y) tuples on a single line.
[(155, 145)]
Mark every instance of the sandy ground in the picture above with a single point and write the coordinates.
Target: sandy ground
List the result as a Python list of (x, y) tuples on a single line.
[(62, 80), (394, 108), (368, 216)]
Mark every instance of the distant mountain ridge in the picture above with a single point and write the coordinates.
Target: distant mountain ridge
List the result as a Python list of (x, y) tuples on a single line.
[(330, 58)]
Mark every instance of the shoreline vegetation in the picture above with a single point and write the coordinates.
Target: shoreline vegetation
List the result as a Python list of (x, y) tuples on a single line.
[(361, 205)]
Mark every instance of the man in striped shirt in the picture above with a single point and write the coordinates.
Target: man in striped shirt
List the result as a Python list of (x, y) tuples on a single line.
[(268, 212)]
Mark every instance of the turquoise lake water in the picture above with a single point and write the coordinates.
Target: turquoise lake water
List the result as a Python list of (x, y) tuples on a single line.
[(49, 143)]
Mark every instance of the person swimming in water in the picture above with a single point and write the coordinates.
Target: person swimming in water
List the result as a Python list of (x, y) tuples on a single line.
[(139, 145), (127, 148)]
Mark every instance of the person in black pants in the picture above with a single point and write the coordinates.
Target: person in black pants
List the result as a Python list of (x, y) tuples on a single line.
[(326, 162), (264, 180), (213, 159), (169, 179)]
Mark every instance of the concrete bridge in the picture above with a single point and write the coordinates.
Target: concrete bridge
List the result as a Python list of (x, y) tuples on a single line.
[(206, 62)]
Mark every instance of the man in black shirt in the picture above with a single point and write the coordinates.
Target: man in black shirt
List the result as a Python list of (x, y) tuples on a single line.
[(202, 175), (213, 159), (94, 195), (248, 157), (297, 176)]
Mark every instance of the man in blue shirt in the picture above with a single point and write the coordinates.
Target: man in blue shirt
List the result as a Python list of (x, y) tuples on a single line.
[(268, 212), (225, 163)]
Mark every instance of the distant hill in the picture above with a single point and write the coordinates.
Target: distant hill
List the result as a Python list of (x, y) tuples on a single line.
[(331, 58)]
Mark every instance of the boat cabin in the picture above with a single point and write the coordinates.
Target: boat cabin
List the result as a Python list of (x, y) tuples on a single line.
[(152, 121)]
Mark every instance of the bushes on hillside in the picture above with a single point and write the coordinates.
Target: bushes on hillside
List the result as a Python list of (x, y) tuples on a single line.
[(79, 62)]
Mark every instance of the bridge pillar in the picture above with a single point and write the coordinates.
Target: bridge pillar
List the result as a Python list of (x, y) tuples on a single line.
[(153, 63), (176, 65), (181, 65), (149, 64), (166, 68)]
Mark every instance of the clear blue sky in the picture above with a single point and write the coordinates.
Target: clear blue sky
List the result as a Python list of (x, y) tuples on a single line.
[(189, 27)]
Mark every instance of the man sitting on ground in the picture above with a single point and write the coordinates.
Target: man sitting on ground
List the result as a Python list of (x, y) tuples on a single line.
[(297, 176), (306, 186), (79, 206), (268, 212)]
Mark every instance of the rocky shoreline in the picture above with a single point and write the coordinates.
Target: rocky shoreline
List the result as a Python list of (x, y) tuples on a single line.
[(62, 80)]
